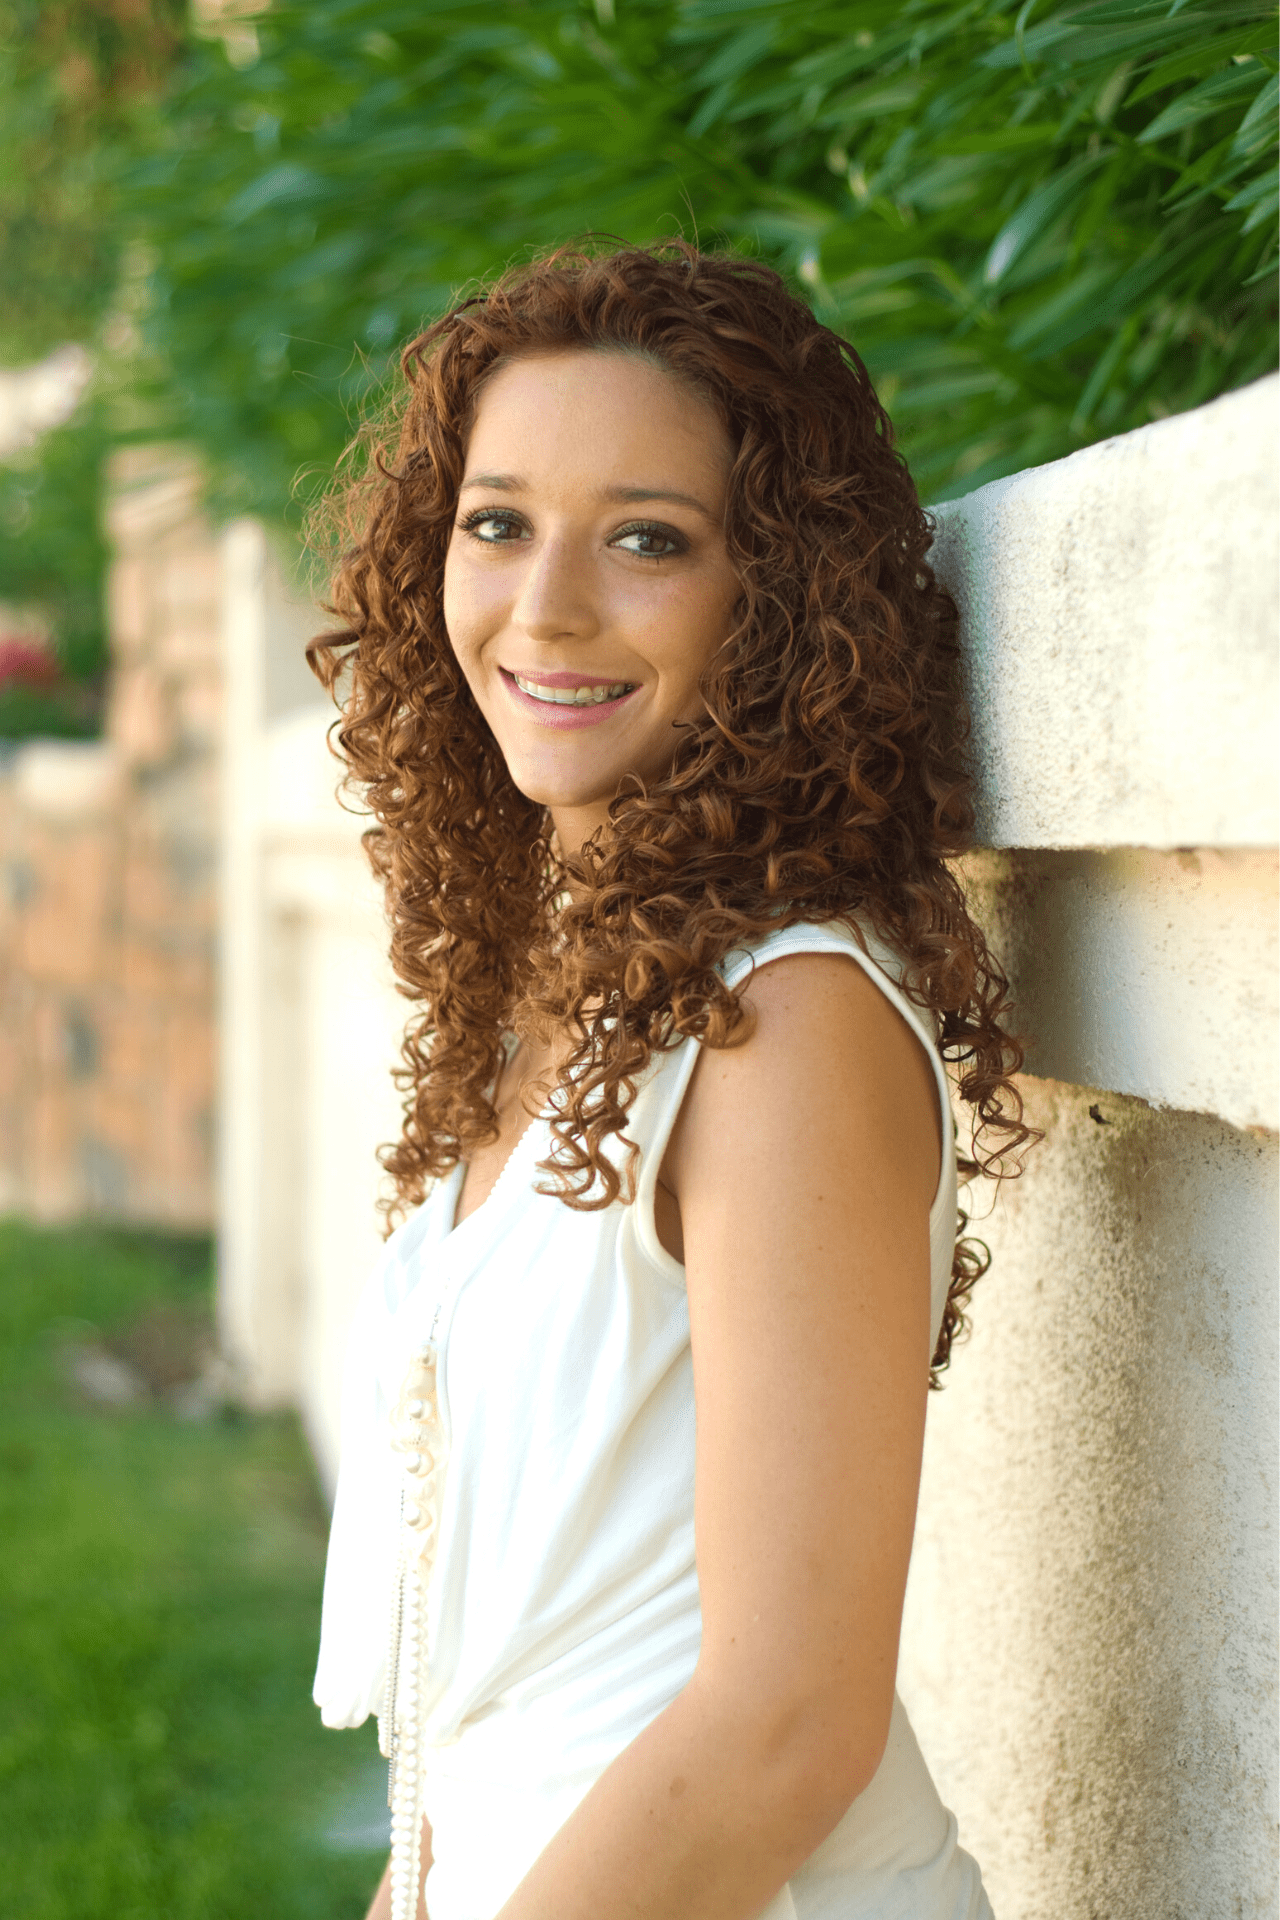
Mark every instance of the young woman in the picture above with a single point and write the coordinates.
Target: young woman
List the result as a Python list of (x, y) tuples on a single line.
[(654, 700)]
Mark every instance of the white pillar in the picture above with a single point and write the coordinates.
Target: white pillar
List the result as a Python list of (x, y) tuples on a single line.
[(259, 1298)]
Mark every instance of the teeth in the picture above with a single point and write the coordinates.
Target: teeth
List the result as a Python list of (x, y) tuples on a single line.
[(573, 696)]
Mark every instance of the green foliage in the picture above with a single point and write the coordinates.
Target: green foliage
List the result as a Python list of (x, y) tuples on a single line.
[(78, 85), (1036, 230), (159, 1602), (1049, 231), (53, 556)]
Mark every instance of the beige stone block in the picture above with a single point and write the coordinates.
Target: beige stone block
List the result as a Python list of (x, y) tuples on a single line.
[(189, 583), (45, 1030), (129, 605), (188, 1062), (17, 1074), (200, 711), (65, 933), (188, 644), (66, 781), (152, 492), (141, 719), (129, 1041), (151, 895), (120, 1119), (50, 1177), (168, 886), (146, 970)]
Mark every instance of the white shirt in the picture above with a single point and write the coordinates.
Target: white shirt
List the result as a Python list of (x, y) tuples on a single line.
[(562, 1611)]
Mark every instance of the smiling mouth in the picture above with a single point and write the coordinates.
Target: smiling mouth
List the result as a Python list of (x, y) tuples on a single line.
[(584, 696)]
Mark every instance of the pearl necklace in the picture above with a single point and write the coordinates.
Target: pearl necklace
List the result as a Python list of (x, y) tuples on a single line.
[(417, 1435)]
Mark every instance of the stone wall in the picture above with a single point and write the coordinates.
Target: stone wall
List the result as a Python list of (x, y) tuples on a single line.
[(108, 911), (1089, 1650)]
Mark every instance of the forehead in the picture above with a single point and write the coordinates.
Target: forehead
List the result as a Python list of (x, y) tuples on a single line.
[(603, 412)]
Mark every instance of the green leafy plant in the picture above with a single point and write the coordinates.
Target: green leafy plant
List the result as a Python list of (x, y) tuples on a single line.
[(1036, 227), (53, 556), (79, 83), (1054, 225)]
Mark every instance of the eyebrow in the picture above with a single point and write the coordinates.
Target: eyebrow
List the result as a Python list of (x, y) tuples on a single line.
[(621, 496)]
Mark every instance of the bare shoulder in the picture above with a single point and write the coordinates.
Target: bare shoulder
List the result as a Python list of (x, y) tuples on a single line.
[(830, 1071), (824, 996)]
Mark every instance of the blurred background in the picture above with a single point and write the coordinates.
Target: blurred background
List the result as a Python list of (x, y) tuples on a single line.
[(1041, 227)]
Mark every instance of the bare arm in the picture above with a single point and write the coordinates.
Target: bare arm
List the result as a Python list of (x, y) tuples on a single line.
[(804, 1165)]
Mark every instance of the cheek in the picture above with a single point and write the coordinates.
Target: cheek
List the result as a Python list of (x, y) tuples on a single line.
[(696, 633), (474, 601), (456, 605)]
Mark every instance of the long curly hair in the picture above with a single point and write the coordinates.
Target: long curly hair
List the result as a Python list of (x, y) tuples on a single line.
[(826, 779)]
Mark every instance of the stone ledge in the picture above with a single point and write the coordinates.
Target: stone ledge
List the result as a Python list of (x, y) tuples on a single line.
[(68, 780), (1152, 974)]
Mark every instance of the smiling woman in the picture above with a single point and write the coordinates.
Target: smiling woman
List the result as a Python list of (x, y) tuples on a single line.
[(648, 684), (568, 614)]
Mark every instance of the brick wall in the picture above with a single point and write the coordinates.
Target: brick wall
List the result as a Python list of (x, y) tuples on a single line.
[(108, 908)]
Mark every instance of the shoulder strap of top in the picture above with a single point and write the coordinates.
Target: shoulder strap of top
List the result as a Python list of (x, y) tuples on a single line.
[(878, 961), (656, 1105)]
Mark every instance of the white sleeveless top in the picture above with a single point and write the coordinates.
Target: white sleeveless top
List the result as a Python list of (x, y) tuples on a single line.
[(550, 1610)]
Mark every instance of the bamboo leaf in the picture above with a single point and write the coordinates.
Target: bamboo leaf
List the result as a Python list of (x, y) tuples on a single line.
[(1077, 295), (1212, 52), (1036, 213), (1221, 90), (1258, 125), (1261, 197)]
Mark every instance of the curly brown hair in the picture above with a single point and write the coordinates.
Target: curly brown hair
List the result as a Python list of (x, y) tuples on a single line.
[(827, 777)]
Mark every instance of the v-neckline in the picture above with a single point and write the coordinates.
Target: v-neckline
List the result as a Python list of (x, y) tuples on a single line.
[(460, 1174)]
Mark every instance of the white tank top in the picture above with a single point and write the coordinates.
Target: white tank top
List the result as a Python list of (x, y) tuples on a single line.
[(542, 1608)]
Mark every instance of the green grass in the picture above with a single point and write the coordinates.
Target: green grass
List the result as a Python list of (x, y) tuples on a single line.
[(159, 1604)]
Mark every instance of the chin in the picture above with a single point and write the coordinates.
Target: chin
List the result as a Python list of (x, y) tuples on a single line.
[(550, 789)]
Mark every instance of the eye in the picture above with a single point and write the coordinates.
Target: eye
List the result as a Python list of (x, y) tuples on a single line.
[(650, 540), (493, 526)]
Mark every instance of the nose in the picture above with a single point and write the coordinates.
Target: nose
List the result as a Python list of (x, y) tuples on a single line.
[(556, 600)]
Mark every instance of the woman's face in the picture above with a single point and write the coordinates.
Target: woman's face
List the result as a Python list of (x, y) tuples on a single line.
[(587, 583)]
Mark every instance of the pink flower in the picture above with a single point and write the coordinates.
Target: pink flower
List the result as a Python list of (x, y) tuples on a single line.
[(25, 663)]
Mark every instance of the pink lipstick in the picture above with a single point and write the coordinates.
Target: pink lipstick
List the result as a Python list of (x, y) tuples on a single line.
[(566, 699)]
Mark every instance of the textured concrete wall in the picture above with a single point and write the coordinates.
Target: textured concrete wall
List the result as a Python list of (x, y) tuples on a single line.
[(1089, 1650), (1149, 973), (1089, 1647), (1120, 630)]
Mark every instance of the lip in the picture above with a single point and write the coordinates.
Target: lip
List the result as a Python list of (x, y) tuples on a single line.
[(564, 677), (565, 717)]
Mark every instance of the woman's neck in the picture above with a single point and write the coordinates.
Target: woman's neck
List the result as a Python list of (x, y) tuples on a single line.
[(574, 826)]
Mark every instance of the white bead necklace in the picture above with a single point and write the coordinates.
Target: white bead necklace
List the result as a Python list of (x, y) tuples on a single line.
[(418, 1436)]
